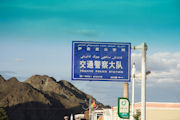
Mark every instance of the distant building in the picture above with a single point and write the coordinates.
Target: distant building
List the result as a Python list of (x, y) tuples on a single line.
[(161, 110), (154, 111)]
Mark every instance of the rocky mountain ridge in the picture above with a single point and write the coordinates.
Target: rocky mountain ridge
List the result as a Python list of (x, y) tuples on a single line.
[(40, 98)]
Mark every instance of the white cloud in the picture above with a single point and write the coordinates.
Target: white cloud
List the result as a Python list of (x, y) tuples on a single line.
[(7, 72), (164, 66), (178, 66)]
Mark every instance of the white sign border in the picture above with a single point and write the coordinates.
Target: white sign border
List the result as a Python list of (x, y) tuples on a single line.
[(100, 79)]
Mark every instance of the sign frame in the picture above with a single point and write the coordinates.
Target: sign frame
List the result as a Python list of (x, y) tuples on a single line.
[(127, 44), (119, 107)]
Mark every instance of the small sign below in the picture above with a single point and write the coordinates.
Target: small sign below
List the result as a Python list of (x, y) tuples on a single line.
[(123, 108)]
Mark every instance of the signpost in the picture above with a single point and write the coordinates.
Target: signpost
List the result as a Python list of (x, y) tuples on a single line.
[(123, 108), (108, 61), (101, 61)]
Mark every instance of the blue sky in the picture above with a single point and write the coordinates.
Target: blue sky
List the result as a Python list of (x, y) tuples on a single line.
[(36, 38)]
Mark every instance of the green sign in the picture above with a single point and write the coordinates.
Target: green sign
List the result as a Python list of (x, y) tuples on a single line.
[(123, 108)]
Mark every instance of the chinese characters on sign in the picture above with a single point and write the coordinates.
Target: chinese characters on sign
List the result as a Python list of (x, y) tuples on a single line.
[(101, 61)]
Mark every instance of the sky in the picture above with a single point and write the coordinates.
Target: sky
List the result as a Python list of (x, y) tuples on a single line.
[(36, 38)]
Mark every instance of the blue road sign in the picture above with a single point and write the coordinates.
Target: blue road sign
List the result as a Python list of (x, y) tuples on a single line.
[(101, 61)]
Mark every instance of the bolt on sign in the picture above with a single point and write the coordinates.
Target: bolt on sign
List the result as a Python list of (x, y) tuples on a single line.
[(101, 61), (123, 108)]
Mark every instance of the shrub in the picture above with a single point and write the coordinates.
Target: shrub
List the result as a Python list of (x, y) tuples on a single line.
[(137, 116), (3, 115)]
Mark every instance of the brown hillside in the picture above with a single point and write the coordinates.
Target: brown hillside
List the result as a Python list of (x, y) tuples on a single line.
[(40, 98)]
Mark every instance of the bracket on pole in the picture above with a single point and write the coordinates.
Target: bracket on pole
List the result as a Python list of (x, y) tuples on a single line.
[(141, 47)]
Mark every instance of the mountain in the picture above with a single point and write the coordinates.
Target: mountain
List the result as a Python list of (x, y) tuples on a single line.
[(14, 92), (63, 91), (41, 98)]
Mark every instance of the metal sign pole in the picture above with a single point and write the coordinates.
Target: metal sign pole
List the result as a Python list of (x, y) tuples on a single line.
[(143, 47), (143, 82)]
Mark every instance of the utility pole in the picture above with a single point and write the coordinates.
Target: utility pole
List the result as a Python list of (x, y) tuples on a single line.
[(143, 82), (143, 48)]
